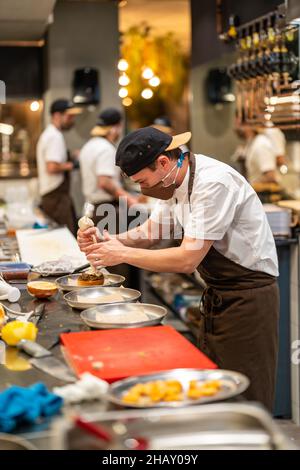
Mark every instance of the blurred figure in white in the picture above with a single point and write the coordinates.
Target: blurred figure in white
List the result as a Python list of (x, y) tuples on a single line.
[(54, 165), (278, 141), (101, 179)]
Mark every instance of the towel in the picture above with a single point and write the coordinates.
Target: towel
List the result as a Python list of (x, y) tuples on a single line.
[(88, 388), (20, 405)]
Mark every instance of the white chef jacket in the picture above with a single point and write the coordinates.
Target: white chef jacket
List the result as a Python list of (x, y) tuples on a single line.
[(224, 208), (277, 139), (51, 147), (260, 158), (98, 158)]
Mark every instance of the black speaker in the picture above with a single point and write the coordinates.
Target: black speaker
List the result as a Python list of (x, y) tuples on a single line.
[(219, 86), (86, 86)]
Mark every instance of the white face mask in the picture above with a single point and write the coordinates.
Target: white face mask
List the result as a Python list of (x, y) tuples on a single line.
[(170, 172)]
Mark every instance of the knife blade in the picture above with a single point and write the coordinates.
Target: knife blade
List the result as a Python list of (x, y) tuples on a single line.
[(2, 352), (33, 349), (52, 366)]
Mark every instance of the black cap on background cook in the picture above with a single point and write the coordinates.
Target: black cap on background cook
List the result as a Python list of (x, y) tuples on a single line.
[(107, 118), (62, 105)]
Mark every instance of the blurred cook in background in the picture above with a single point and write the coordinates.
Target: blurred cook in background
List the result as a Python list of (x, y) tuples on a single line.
[(101, 179), (54, 167), (164, 124), (261, 156), (278, 141)]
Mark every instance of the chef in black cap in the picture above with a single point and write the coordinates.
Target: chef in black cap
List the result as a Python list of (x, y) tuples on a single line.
[(54, 165), (225, 236), (101, 182)]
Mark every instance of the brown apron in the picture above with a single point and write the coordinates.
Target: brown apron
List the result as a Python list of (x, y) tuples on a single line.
[(58, 205), (238, 325)]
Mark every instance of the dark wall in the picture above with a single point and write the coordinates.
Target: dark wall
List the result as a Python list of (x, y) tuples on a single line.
[(206, 45), (21, 68)]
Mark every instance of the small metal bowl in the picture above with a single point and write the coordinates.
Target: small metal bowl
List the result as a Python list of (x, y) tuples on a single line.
[(69, 283), (155, 314), (129, 295)]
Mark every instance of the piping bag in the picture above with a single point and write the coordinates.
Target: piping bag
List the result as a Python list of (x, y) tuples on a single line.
[(86, 222)]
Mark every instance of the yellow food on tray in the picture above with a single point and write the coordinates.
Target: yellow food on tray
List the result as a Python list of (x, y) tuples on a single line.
[(169, 391), (205, 389)]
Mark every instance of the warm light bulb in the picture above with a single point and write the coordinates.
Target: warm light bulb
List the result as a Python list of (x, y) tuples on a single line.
[(127, 101), (154, 81), (34, 106), (6, 129), (123, 65), (147, 93), (123, 92), (147, 73), (124, 80)]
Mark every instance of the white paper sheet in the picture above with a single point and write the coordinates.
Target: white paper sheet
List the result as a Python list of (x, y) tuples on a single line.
[(38, 246)]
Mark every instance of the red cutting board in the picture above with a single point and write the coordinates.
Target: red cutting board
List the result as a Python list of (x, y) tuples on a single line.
[(129, 352)]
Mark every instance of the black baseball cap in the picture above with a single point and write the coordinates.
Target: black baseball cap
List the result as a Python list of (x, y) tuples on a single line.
[(107, 118), (140, 148), (61, 105)]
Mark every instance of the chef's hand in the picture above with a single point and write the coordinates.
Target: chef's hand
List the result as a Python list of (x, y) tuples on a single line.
[(85, 238), (132, 201), (108, 253)]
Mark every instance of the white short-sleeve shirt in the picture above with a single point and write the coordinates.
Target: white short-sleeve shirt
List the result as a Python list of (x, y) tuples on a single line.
[(224, 208), (51, 147), (277, 138), (260, 158), (98, 158)]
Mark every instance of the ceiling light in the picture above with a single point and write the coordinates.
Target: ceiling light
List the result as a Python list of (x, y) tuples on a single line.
[(127, 101), (124, 80), (122, 65), (154, 81), (123, 92), (34, 106), (147, 93), (147, 73)]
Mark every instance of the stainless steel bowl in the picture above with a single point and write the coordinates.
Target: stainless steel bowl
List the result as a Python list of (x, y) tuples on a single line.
[(69, 283), (218, 426), (233, 383), (155, 314), (75, 298)]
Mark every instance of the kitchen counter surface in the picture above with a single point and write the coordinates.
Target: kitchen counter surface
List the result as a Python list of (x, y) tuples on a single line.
[(57, 316)]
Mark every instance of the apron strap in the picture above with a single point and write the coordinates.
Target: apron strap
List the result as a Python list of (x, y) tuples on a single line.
[(192, 165)]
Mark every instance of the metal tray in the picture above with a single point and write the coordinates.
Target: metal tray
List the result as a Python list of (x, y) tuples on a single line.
[(155, 314), (218, 426), (233, 383), (129, 295), (65, 283)]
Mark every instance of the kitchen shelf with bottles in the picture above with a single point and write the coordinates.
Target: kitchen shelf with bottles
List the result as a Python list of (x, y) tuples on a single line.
[(266, 72)]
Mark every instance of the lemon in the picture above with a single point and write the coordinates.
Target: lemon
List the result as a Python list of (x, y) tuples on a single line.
[(14, 331)]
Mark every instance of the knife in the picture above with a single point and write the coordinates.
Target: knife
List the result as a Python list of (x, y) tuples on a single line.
[(43, 360), (2, 352), (52, 366)]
